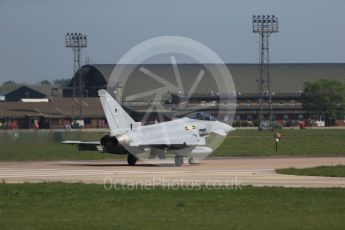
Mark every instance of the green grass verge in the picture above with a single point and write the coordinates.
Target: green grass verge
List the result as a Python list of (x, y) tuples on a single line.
[(78, 206), (327, 171), (46, 146), (31, 146), (327, 142)]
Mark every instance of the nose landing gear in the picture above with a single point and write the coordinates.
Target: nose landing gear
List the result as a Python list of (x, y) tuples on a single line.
[(178, 160)]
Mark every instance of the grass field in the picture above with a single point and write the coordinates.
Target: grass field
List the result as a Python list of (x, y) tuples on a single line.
[(46, 146), (78, 206), (33, 146), (327, 171), (324, 142)]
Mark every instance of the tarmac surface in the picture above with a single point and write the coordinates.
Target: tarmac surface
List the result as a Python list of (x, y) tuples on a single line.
[(209, 172)]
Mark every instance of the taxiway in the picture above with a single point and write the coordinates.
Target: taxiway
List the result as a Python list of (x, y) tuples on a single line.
[(212, 171)]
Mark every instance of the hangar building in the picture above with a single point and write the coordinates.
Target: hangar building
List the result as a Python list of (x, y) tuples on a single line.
[(287, 81)]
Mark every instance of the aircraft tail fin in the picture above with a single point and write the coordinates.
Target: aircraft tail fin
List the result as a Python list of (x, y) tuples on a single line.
[(116, 116)]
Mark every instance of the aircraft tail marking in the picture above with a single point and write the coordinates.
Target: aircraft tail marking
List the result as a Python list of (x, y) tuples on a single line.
[(116, 116)]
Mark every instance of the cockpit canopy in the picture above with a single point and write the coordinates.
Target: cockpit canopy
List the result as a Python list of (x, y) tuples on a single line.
[(202, 116)]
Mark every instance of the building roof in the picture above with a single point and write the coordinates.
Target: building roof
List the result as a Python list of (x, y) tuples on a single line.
[(23, 92), (30, 91), (44, 89), (56, 108), (285, 78)]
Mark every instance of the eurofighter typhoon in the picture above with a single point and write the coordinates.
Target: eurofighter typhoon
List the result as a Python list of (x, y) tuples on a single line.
[(183, 137)]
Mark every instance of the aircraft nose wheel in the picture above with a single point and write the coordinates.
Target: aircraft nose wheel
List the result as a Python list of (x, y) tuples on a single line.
[(178, 161)]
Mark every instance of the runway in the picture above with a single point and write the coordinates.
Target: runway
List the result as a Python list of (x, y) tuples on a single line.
[(209, 172)]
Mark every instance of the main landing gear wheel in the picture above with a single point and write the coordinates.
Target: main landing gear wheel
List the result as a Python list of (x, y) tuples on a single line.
[(191, 161), (178, 161), (131, 160)]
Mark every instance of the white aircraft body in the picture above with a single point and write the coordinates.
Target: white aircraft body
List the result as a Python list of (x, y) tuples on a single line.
[(184, 137)]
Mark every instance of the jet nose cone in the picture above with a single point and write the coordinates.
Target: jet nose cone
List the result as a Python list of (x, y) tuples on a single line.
[(228, 128), (221, 128)]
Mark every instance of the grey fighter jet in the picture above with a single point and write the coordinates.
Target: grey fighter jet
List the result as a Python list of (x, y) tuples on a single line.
[(184, 137)]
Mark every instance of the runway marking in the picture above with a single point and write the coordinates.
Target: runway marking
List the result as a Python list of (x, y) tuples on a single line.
[(12, 172), (207, 171)]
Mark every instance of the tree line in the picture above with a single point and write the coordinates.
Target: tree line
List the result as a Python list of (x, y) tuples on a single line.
[(324, 99)]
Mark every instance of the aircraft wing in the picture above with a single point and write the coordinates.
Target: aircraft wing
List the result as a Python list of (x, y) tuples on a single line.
[(81, 142), (86, 145)]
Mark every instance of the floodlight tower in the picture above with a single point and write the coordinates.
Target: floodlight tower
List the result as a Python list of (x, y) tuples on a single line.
[(264, 25), (77, 41)]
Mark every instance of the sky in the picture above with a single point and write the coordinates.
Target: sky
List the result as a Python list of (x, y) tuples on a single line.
[(33, 32)]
